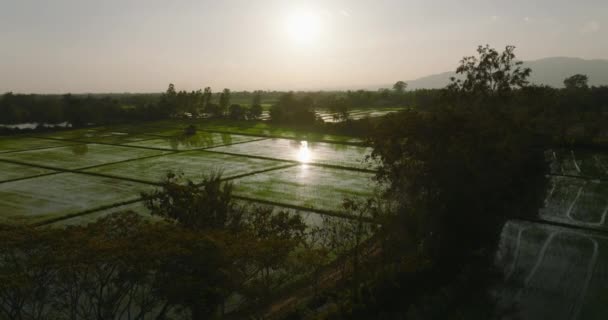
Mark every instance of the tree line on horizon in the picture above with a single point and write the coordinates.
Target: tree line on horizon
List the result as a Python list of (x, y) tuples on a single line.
[(576, 102)]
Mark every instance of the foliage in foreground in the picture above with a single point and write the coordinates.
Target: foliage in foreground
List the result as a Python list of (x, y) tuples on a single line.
[(120, 267), (208, 256)]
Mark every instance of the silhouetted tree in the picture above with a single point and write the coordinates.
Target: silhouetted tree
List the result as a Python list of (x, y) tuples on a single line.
[(207, 97), (225, 100), (400, 86), (577, 81), (490, 73), (290, 109), (169, 101), (256, 105), (209, 206), (120, 267), (339, 107)]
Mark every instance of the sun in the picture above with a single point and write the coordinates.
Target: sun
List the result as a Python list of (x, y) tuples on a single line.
[(303, 27)]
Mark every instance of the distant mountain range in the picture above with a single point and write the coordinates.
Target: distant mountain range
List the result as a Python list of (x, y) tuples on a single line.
[(548, 71)]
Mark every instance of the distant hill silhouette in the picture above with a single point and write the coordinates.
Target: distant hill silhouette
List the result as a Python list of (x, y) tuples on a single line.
[(548, 71)]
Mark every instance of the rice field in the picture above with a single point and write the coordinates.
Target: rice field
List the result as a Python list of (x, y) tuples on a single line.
[(70, 177), (193, 165), (199, 140), (576, 201), (307, 186), (49, 197), (578, 163), (264, 129), (547, 265), (10, 144), (562, 263), (10, 171), (303, 151), (79, 156)]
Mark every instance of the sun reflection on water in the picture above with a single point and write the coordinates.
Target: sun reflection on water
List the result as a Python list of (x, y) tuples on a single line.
[(304, 154)]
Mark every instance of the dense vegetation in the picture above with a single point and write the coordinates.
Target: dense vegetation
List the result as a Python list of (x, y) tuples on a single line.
[(206, 256)]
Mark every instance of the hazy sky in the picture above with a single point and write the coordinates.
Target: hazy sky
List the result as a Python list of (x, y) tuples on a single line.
[(59, 46)]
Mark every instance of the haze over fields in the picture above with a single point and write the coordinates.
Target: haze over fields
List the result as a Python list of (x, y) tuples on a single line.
[(140, 46)]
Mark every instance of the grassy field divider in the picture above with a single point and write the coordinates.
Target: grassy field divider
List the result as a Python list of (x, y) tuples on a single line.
[(581, 177), (600, 231), (108, 144), (104, 175), (331, 213), (37, 166), (233, 144), (86, 212), (198, 149), (81, 170), (258, 172), (129, 160), (78, 170), (91, 141), (29, 177), (70, 144), (272, 136)]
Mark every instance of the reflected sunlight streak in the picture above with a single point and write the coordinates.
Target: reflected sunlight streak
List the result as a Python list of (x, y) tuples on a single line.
[(304, 154)]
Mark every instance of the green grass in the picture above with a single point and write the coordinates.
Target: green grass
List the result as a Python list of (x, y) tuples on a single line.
[(307, 186), (9, 144), (294, 150), (197, 141), (39, 199), (79, 156), (9, 171), (194, 165)]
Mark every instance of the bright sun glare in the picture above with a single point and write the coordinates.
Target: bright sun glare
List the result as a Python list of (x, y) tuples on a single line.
[(303, 27), (304, 152)]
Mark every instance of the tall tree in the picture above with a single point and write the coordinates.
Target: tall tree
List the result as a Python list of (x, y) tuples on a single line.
[(577, 81), (490, 73), (201, 208), (256, 105), (207, 97), (225, 100), (168, 100), (400, 86)]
